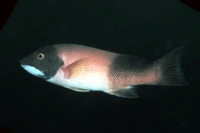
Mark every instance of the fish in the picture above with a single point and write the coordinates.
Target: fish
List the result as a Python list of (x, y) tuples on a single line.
[(83, 69)]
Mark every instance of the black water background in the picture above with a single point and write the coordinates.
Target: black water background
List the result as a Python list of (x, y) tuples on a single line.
[(145, 28)]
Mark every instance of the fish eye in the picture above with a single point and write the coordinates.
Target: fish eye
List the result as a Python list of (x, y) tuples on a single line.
[(40, 56)]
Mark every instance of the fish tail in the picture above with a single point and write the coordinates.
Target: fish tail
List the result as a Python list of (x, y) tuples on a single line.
[(172, 74)]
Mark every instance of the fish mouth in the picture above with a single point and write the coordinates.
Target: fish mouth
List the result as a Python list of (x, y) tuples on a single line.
[(22, 62), (32, 70)]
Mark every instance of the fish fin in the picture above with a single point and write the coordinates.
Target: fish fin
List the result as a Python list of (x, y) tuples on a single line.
[(129, 92), (73, 70), (172, 74), (78, 89)]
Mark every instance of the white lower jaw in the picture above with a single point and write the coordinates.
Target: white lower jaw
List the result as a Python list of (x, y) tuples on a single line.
[(32, 70)]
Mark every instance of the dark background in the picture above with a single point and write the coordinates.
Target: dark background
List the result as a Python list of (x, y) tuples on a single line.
[(147, 28)]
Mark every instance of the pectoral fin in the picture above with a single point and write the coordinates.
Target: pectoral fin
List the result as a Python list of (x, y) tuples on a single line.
[(73, 70), (78, 89), (125, 93)]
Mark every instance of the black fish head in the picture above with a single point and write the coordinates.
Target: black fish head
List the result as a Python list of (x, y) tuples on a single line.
[(43, 63)]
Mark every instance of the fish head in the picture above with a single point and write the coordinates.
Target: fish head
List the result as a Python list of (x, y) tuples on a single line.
[(43, 63)]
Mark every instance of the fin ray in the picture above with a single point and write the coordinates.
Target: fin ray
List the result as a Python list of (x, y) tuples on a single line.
[(172, 74), (78, 89), (125, 92), (73, 70)]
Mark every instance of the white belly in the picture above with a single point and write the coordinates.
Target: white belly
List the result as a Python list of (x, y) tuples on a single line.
[(94, 82)]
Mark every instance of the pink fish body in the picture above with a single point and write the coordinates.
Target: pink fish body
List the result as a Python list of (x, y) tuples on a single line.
[(83, 69)]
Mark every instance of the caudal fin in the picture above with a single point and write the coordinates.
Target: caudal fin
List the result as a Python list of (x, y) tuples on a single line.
[(172, 74)]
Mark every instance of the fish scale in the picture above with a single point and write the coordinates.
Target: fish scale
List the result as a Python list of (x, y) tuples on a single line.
[(84, 69)]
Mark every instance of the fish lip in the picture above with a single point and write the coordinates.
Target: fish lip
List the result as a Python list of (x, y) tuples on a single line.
[(32, 70), (21, 62)]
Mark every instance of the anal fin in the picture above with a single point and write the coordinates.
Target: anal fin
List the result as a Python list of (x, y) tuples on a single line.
[(78, 89), (129, 92)]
